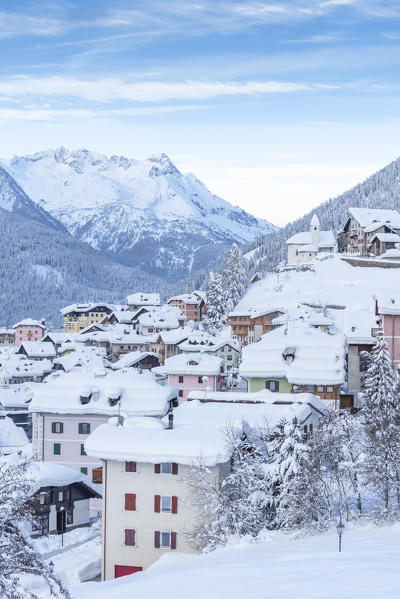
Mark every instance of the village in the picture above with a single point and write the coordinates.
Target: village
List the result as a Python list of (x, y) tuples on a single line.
[(115, 410)]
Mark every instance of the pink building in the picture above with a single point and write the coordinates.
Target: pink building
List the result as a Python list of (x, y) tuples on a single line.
[(193, 371), (28, 330), (388, 313)]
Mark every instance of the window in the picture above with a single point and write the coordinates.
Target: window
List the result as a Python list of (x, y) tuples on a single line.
[(310, 388), (166, 468), (229, 357), (272, 385), (200, 379), (84, 428), (130, 466), (57, 427), (70, 517), (130, 502), (297, 388), (57, 449), (329, 389), (165, 539), (320, 389), (180, 393), (130, 537), (180, 379), (166, 503), (84, 470), (83, 452)]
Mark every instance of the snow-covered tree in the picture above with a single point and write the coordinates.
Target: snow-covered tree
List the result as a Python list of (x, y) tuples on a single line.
[(18, 558), (215, 318), (380, 413), (236, 505), (234, 277)]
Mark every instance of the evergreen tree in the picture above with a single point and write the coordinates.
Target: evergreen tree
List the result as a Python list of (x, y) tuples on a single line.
[(18, 558), (234, 277), (215, 318), (380, 413)]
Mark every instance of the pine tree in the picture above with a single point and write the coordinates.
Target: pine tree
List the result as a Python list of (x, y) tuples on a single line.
[(380, 413), (234, 277), (215, 318), (17, 555)]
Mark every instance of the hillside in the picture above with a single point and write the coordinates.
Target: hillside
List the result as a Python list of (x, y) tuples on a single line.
[(144, 213), (381, 190)]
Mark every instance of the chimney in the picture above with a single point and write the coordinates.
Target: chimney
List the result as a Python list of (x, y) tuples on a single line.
[(170, 421), (120, 421)]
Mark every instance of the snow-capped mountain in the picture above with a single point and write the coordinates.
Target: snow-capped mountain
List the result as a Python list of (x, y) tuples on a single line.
[(145, 213)]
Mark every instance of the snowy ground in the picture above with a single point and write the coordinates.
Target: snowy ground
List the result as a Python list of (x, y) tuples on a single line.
[(311, 568)]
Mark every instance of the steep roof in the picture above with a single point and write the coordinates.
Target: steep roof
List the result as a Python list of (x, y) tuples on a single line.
[(38, 349), (375, 217), (29, 322)]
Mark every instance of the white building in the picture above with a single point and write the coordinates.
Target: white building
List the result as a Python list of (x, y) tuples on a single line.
[(146, 507), (303, 247)]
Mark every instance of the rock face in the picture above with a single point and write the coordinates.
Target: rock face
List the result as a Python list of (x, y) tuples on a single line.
[(144, 213)]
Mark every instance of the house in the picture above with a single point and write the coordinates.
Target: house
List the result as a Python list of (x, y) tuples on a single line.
[(303, 313), (387, 310), (296, 359), (62, 498), (7, 337), (13, 438), (359, 234), (162, 318), (249, 325), (37, 350), (255, 278), (191, 304), (86, 358), (29, 330), (137, 359), (147, 509), (70, 405), (79, 316), (303, 247), (139, 300), (381, 243), (13, 404), (192, 371), (227, 349), (58, 338), (16, 369)]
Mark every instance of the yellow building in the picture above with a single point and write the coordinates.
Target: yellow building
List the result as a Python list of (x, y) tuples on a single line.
[(79, 316)]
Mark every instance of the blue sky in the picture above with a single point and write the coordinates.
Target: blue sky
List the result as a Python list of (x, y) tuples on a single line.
[(276, 105)]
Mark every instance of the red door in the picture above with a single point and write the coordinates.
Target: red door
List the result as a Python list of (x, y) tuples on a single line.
[(125, 570)]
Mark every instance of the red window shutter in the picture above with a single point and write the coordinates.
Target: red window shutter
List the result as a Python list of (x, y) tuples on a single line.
[(173, 540), (174, 505), (174, 468), (130, 535), (157, 502), (130, 466), (130, 502), (157, 539), (157, 468)]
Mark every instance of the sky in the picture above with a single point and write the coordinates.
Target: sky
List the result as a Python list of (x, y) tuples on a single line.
[(275, 105)]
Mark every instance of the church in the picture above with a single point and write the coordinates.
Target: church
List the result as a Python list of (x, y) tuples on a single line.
[(303, 247)]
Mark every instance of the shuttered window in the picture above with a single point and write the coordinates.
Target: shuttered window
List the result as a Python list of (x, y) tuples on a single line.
[(57, 427), (84, 428), (165, 539), (130, 502), (130, 537), (57, 449), (130, 466)]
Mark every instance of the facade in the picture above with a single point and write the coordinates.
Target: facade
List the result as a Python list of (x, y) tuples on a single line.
[(248, 326), (226, 349), (79, 316), (35, 350), (138, 300), (192, 371), (303, 247), (7, 337), (363, 230), (191, 304), (162, 318), (388, 316), (28, 330)]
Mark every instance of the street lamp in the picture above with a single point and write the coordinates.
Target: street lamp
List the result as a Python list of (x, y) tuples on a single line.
[(62, 510), (340, 529)]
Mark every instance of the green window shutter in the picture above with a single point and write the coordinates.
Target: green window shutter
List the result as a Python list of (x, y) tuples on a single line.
[(83, 452), (57, 449), (57, 427), (84, 428), (84, 470)]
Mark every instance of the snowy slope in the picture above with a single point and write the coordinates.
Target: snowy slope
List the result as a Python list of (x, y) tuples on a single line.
[(146, 213), (278, 568)]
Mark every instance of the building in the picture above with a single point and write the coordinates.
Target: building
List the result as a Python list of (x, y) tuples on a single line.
[(227, 349), (162, 318), (193, 371), (29, 330), (13, 438), (139, 300), (37, 350), (137, 359), (146, 504), (249, 325), (296, 359), (16, 369), (303, 313), (369, 230), (78, 316), (191, 304), (71, 405), (387, 311), (303, 247), (7, 337)]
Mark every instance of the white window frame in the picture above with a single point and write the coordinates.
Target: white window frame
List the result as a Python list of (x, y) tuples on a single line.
[(162, 545), (166, 468), (166, 497)]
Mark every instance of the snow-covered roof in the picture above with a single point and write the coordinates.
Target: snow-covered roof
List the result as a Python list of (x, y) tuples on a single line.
[(211, 344), (187, 298), (49, 474), (309, 248), (372, 218), (191, 363), (86, 358), (124, 316), (306, 314), (143, 299), (264, 396), (319, 358), (139, 393), (40, 349), (11, 435), (15, 396), (326, 239), (314, 221), (130, 359), (163, 317), (4, 331), (88, 307), (198, 432), (388, 303), (29, 322), (59, 337), (18, 366), (392, 254), (387, 237)]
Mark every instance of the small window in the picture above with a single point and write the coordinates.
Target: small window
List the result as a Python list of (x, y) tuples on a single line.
[(57, 427), (70, 517), (180, 393), (320, 389), (311, 428), (165, 539), (229, 357), (272, 385), (329, 389), (84, 428), (166, 503), (305, 429), (83, 452), (130, 466), (57, 449), (297, 388), (180, 379), (200, 379), (310, 388), (166, 468), (84, 470), (130, 537)]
